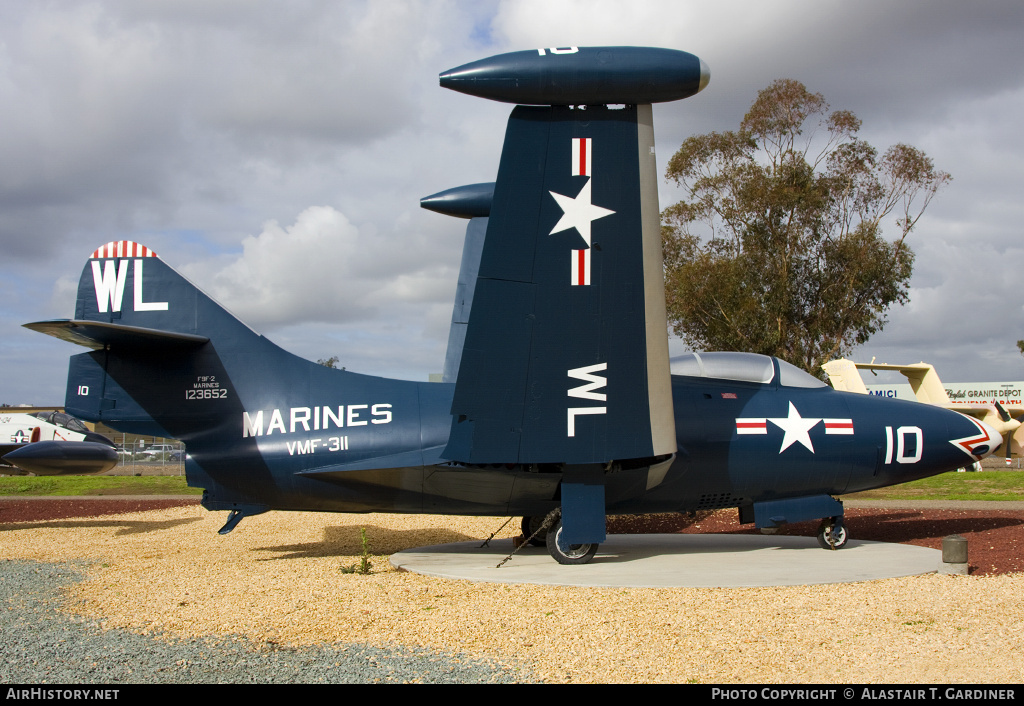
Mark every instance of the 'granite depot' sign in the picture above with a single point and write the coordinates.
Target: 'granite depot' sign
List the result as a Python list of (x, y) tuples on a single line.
[(1008, 394)]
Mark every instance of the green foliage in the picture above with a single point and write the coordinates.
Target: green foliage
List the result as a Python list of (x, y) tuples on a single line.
[(364, 566), (777, 247), (331, 362)]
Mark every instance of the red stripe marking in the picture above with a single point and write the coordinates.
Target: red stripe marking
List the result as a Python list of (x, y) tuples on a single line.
[(969, 444), (122, 248)]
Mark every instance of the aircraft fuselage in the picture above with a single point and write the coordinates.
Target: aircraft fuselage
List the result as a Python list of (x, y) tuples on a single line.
[(740, 444)]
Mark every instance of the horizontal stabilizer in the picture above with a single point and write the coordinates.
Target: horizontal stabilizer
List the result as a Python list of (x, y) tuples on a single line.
[(99, 334)]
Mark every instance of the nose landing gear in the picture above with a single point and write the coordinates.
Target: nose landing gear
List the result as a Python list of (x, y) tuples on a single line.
[(832, 533)]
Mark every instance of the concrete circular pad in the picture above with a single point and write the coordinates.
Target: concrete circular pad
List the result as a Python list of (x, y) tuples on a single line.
[(677, 560)]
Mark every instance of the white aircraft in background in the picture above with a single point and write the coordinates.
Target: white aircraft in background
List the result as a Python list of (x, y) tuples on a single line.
[(53, 443), (928, 388)]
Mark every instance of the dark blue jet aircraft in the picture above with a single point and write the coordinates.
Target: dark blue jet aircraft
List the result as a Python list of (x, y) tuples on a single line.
[(560, 402)]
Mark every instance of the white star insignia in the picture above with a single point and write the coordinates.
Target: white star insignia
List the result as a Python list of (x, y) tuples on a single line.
[(578, 212), (796, 428)]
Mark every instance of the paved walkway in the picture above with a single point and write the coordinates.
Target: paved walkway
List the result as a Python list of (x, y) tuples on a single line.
[(678, 560)]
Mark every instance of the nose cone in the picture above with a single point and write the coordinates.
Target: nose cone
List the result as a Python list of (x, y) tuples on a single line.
[(981, 442), (705, 76)]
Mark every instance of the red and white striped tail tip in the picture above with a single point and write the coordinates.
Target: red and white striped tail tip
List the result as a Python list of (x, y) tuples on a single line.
[(122, 248)]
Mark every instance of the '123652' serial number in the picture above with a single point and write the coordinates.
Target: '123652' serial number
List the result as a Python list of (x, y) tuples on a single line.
[(206, 394)]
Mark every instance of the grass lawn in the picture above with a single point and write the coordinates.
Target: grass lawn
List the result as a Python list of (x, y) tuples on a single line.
[(984, 485), (95, 485)]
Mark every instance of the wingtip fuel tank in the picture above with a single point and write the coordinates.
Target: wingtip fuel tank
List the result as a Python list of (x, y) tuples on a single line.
[(582, 76), (470, 201), (57, 458)]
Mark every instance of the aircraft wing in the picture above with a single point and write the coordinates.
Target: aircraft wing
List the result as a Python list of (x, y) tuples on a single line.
[(845, 375), (565, 356)]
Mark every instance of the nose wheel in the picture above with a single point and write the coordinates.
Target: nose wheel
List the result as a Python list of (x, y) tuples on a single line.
[(832, 533)]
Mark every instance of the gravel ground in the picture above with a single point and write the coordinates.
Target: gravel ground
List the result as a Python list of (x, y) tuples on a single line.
[(158, 595), (43, 644)]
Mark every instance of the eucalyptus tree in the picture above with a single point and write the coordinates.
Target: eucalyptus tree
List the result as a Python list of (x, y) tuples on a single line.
[(777, 245)]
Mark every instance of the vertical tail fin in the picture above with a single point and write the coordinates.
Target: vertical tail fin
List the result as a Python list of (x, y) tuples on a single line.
[(146, 323)]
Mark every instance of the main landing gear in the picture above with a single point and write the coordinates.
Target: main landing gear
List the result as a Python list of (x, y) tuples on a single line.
[(547, 532), (535, 532), (832, 533)]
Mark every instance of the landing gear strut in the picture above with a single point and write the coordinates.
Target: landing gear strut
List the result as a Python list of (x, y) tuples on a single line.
[(832, 533)]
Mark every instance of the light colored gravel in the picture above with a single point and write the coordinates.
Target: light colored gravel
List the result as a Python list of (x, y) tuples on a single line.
[(278, 578)]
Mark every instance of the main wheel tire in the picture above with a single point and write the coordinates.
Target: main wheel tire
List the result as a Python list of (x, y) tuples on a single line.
[(832, 536), (531, 525), (568, 553)]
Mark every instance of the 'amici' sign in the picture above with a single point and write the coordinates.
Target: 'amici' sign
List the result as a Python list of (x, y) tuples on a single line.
[(1008, 394)]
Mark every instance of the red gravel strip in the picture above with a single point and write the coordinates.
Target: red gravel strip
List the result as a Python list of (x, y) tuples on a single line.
[(41, 509)]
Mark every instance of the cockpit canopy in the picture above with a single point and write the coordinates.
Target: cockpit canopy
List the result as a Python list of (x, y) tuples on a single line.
[(63, 420), (742, 367)]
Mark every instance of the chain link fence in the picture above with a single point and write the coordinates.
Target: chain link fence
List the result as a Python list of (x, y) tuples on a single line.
[(147, 456)]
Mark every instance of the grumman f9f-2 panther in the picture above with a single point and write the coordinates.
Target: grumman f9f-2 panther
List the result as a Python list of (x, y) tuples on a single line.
[(560, 403)]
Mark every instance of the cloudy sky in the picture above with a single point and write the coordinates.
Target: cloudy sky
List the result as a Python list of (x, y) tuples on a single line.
[(275, 153)]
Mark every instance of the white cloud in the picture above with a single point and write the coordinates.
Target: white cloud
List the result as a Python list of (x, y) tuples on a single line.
[(322, 268)]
